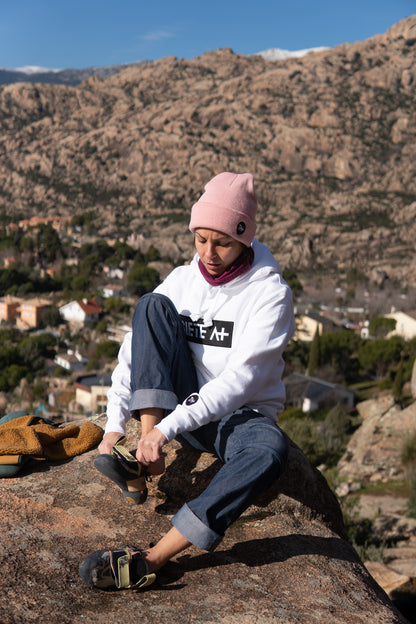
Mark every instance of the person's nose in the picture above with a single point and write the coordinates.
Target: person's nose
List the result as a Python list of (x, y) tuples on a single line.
[(210, 251)]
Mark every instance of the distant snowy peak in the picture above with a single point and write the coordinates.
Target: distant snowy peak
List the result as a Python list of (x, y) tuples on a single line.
[(275, 54), (34, 69)]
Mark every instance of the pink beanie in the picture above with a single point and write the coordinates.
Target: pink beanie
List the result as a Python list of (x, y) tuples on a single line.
[(228, 205)]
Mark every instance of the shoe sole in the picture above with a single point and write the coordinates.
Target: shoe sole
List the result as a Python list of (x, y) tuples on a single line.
[(111, 468)]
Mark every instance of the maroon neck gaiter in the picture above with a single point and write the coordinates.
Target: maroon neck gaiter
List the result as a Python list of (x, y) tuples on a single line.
[(239, 266)]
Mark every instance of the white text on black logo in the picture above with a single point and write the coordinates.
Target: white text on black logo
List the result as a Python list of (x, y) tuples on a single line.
[(219, 334)]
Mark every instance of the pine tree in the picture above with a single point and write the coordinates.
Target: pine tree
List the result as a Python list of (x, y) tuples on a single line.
[(314, 353), (398, 382)]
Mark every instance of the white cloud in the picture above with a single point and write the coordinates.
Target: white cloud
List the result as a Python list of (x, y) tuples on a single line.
[(158, 35)]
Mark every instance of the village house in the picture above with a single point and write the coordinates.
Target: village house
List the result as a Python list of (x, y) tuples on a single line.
[(310, 393), (51, 271), (117, 333), (9, 261), (91, 392), (30, 313), (405, 325), (308, 323), (114, 272), (71, 361), (112, 290), (84, 311), (58, 223), (9, 308)]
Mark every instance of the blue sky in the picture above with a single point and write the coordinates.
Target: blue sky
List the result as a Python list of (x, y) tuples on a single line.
[(80, 33)]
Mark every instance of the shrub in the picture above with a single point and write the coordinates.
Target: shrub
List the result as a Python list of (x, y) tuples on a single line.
[(378, 356), (380, 326), (304, 433), (322, 441), (408, 459), (361, 536), (411, 504), (333, 433), (141, 279), (108, 349), (408, 455)]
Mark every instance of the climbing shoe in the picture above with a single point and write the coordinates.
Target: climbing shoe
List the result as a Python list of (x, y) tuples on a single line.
[(123, 468), (123, 568)]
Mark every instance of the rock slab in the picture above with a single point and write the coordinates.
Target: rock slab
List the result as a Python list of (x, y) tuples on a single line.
[(286, 560)]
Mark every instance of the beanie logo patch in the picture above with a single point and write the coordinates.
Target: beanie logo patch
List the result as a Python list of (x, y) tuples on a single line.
[(241, 228)]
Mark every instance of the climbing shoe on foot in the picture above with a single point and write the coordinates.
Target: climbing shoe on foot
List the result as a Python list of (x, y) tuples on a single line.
[(123, 568)]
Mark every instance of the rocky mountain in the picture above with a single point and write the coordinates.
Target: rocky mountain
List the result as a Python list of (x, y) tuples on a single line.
[(330, 137), (60, 76), (73, 77)]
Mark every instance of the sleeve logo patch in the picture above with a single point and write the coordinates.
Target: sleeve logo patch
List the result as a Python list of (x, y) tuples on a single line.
[(219, 334), (193, 398)]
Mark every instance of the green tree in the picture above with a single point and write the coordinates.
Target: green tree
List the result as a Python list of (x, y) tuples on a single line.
[(34, 350), (50, 243), (314, 353), (296, 356), (398, 381), (141, 279), (377, 356), (27, 244), (293, 281), (339, 350), (333, 433), (152, 254), (121, 252), (100, 250), (108, 349), (11, 376), (51, 317), (12, 277), (86, 218), (80, 283), (116, 305), (380, 326)]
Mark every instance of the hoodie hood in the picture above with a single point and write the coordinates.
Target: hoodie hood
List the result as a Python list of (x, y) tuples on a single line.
[(264, 263)]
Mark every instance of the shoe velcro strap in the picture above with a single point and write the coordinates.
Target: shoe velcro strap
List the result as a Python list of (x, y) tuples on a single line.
[(122, 576), (123, 571), (145, 581), (127, 459)]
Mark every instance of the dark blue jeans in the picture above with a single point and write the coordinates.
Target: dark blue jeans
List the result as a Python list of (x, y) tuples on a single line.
[(252, 447)]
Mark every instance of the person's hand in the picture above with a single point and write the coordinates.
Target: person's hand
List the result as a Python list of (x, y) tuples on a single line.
[(149, 448), (108, 441)]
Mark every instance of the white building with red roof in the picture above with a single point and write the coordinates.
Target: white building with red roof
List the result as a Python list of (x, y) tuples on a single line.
[(83, 311)]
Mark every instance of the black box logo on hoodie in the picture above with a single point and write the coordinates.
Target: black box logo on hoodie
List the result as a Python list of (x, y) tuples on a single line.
[(219, 334)]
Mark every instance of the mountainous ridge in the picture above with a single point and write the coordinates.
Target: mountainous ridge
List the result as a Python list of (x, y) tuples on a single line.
[(73, 77), (330, 138), (65, 76)]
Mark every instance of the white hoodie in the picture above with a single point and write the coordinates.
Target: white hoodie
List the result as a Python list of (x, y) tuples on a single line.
[(237, 333)]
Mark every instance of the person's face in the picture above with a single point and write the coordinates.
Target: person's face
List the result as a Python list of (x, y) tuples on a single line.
[(216, 250)]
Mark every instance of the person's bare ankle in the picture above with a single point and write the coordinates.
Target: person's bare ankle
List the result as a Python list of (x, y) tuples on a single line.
[(157, 467), (154, 565)]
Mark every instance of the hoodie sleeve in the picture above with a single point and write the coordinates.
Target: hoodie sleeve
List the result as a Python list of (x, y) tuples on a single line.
[(254, 369), (119, 394)]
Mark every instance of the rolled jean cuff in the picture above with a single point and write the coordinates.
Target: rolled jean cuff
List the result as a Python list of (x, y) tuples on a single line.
[(194, 530), (149, 397)]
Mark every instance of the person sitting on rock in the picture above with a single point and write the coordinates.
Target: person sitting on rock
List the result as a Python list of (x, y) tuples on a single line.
[(203, 364)]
